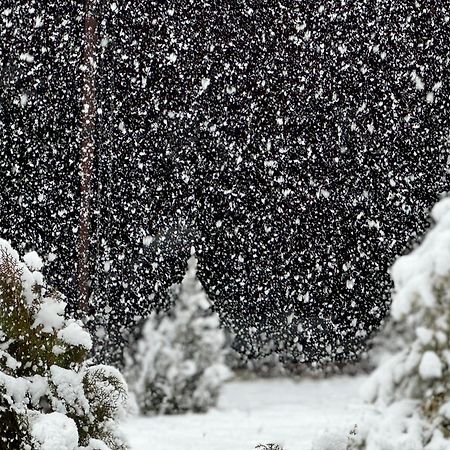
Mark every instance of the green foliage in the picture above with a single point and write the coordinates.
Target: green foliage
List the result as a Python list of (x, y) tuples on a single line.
[(24, 341), (43, 365), (106, 392), (14, 427)]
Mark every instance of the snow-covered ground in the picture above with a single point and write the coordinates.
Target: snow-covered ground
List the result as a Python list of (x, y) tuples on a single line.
[(252, 412)]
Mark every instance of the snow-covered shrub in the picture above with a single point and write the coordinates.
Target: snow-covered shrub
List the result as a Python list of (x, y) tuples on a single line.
[(50, 397), (411, 390), (178, 363)]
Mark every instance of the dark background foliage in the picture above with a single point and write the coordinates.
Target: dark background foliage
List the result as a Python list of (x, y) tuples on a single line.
[(290, 143)]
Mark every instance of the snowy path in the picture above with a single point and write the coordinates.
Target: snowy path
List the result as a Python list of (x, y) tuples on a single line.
[(253, 412)]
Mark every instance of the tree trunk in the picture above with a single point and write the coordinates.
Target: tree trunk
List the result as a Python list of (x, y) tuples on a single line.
[(87, 154)]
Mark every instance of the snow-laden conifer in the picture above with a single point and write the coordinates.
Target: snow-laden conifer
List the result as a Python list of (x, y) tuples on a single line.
[(179, 361), (51, 398), (411, 389)]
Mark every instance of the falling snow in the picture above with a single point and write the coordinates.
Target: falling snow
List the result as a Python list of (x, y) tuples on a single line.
[(296, 147)]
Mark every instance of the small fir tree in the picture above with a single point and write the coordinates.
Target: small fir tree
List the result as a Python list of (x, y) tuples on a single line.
[(179, 361), (411, 390), (51, 398)]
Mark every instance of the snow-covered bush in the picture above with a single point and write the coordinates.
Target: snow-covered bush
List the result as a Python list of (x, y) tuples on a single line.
[(50, 397), (411, 390), (178, 363)]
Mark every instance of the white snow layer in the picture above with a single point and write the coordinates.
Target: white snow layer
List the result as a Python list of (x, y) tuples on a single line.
[(55, 431), (50, 315), (33, 261), (281, 411), (430, 366), (73, 334)]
